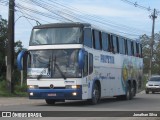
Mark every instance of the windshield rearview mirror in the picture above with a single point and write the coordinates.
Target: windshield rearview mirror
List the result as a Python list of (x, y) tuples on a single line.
[(20, 58)]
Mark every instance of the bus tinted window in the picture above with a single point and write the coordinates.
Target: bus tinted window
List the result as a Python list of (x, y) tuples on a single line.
[(114, 44), (126, 47), (96, 38), (140, 50), (132, 48), (129, 47), (135, 49), (121, 46), (109, 43), (88, 37), (105, 41)]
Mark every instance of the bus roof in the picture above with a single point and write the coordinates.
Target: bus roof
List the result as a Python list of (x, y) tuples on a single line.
[(62, 25)]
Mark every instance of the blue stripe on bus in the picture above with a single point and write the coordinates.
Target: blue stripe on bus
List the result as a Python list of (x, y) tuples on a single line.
[(60, 94)]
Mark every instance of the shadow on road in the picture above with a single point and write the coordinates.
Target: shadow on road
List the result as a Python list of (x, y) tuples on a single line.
[(71, 103)]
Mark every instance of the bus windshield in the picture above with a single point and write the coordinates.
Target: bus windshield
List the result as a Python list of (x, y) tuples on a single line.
[(53, 64), (51, 36)]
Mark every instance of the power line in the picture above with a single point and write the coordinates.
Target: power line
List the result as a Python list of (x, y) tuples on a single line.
[(23, 8), (26, 18), (91, 17), (50, 10), (135, 4), (36, 18), (59, 11), (97, 21)]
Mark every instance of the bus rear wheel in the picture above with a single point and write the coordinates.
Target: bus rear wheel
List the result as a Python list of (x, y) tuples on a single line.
[(50, 101), (128, 95), (95, 95)]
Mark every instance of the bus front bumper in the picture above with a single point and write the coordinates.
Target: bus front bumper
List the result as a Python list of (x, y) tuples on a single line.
[(57, 94)]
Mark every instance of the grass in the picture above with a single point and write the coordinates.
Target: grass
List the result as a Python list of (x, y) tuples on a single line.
[(20, 91)]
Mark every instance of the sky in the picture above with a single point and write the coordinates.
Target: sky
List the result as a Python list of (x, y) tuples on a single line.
[(116, 16)]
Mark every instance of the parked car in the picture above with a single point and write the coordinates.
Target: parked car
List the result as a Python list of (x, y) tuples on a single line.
[(153, 84)]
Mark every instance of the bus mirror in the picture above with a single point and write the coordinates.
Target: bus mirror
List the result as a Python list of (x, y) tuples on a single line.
[(81, 58), (19, 59)]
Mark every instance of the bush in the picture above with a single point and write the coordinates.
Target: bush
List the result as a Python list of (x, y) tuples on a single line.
[(18, 89), (3, 85)]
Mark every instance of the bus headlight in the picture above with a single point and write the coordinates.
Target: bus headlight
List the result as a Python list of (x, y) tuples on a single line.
[(31, 94), (74, 94), (32, 86), (72, 86)]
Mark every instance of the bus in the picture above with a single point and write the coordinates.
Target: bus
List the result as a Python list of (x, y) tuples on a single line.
[(77, 61)]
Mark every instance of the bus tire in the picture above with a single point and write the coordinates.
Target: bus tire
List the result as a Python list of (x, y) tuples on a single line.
[(128, 95), (95, 95), (147, 92), (134, 91), (50, 101)]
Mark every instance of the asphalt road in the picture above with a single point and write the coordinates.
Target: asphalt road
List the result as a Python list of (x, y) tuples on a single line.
[(142, 102)]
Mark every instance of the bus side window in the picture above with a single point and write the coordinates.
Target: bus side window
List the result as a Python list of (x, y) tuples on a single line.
[(90, 63), (126, 46), (135, 49), (85, 69), (114, 47), (132, 48), (105, 41), (88, 37), (140, 50), (109, 43), (129, 47), (121, 46), (97, 40)]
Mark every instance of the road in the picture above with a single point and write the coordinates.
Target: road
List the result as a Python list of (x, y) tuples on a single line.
[(142, 102)]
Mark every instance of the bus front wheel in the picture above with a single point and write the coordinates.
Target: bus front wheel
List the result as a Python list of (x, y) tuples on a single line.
[(50, 101), (95, 95)]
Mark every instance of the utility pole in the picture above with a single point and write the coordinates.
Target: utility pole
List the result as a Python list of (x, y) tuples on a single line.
[(10, 48), (153, 16)]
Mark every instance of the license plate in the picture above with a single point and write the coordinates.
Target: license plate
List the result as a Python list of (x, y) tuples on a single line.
[(52, 94)]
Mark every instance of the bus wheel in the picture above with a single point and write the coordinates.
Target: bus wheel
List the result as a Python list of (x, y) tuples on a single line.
[(128, 95), (95, 95), (134, 90), (50, 101)]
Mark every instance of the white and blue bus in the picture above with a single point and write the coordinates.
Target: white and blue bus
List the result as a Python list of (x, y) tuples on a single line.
[(76, 61)]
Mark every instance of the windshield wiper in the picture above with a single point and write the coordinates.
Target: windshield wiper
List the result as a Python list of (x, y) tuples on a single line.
[(60, 71), (41, 74)]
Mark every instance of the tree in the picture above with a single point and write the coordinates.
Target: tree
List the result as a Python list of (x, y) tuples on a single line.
[(145, 40), (3, 43)]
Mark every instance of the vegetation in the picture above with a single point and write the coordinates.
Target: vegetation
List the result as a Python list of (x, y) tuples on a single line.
[(19, 90), (146, 53)]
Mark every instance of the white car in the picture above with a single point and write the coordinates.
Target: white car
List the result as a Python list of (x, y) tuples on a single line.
[(153, 84)]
